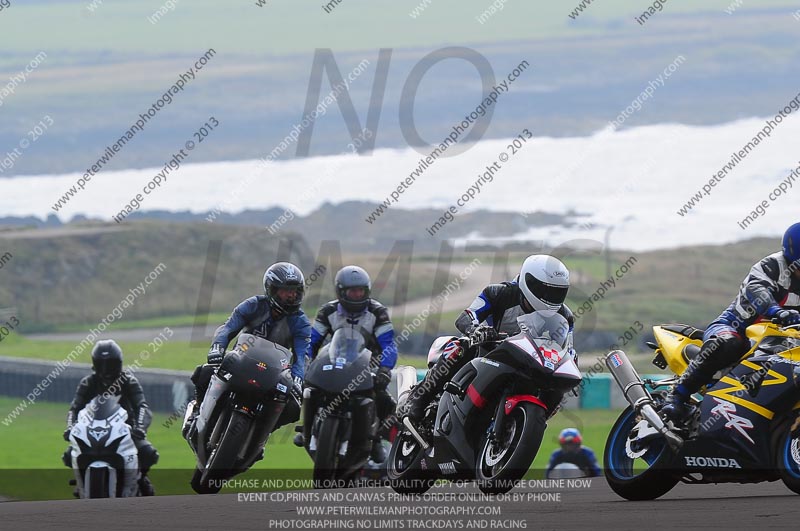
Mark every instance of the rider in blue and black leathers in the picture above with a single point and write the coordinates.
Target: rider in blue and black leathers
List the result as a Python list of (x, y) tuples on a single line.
[(771, 290), (275, 316), (573, 452), (353, 307)]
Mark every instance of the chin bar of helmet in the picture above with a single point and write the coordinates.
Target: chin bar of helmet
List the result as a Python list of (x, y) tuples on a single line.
[(635, 392)]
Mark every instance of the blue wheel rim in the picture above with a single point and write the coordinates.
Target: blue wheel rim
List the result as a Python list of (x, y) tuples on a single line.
[(620, 465), (791, 466)]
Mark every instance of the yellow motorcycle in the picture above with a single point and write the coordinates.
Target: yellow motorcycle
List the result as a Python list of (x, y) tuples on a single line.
[(745, 426)]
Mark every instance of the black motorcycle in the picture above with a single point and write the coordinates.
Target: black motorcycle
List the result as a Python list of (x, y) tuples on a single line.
[(488, 423), (245, 398), (339, 394)]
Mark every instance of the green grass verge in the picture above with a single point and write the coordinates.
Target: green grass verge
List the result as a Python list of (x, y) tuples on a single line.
[(174, 355), (31, 468), (133, 324)]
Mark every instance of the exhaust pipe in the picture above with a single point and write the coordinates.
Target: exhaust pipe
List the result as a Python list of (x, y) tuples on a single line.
[(637, 395)]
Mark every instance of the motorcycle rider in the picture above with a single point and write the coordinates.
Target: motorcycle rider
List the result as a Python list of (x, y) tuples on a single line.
[(275, 316), (572, 451), (772, 285), (353, 307), (541, 286), (108, 379)]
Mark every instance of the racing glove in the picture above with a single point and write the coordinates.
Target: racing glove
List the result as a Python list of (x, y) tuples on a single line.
[(215, 354), (786, 317), (382, 378), (483, 334), (297, 389)]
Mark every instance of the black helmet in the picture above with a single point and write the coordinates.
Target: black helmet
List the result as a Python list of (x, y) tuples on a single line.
[(352, 277), (284, 275), (107, 361)]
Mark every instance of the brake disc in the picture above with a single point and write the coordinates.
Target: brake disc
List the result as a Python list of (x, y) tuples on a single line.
[(635, 445)]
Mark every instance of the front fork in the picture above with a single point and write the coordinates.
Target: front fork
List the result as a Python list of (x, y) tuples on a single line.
[(637, 395)]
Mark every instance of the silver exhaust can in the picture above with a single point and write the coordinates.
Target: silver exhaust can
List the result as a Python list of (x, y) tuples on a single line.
[(635, 392)]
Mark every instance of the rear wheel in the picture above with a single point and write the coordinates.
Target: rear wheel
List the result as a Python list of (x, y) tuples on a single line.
[(98, 483), (223, 458), (402, 467), (788, 460), (637, 470), (326, 458), (504, 460)]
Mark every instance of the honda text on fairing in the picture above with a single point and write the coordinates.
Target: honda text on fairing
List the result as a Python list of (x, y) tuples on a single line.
[(745, 428), (104, 457), (246, 396), (339, 389), (489, 421)]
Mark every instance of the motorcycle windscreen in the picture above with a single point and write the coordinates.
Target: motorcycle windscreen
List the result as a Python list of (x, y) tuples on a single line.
[(344, 363), (256, 365), (545, 325), (104, 407), (549, 333)]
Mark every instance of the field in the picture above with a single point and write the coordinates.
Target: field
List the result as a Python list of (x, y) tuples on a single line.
[(38, 474), (175, 355)]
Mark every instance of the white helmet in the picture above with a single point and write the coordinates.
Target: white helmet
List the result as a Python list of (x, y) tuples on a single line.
[(544, 281)]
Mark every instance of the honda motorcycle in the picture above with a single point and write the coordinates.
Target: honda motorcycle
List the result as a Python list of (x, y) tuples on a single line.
[(744, 427), (245, 398), (104, 456), (488, 423)]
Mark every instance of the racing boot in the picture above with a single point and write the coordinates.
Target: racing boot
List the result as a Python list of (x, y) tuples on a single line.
[(425, 390), (378, 452), (716, 354), (145, 487)]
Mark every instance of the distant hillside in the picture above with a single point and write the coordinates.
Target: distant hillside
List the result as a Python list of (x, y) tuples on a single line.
[(346, 222), (79, 273)]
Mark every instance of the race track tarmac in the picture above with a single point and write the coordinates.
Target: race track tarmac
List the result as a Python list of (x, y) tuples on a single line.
[(726, 506)]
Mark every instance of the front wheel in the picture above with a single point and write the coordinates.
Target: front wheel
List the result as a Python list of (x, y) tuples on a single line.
[(636, 460), (789, 460), (326, 458), (98, 486), (222, 461), (504, 460)]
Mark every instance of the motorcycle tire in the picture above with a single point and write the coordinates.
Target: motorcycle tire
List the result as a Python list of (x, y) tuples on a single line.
[(499, 467), (221, 463), (98, 483), (326, 458), (648, 484), (788, 460), (403, 466)]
